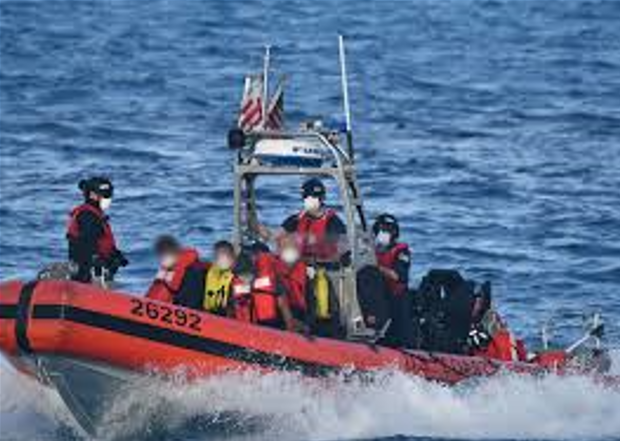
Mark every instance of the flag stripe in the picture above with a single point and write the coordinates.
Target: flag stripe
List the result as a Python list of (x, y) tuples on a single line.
[(250, 114), (275, 113)]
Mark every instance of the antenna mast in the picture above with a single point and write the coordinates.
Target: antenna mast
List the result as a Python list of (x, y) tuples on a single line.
[(345, 96), (266, 62)]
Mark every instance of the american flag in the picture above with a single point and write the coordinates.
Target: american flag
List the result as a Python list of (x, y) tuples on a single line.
[(275, 112), (251, 114)]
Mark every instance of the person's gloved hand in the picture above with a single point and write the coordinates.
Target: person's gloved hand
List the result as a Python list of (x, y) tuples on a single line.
[(119, 259), (478, 338)]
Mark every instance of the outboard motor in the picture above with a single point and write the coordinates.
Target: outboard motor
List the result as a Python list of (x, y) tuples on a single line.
[(444, 304)]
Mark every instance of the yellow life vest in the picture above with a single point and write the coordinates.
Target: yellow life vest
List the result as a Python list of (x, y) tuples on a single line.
[(321, 294), (217, 289)]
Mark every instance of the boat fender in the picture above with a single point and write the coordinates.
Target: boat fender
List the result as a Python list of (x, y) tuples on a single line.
[(23, 316)]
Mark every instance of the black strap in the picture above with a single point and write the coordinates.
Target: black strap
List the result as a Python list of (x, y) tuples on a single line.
[(23, 316)]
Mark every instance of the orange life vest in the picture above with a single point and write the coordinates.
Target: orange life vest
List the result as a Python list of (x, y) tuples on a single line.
[(504, 347), (388, 259), (169, 280), (106, 244), (242, 300), (312, 233), (264, 296), (294, 281)]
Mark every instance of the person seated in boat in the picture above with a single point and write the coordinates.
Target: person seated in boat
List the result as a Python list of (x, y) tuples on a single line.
[(293, 276), (319, 229), (308, 291), (240, 304), (257, 297), (394, 263), (92, 245), (181, 276), (219, 279), (489, 336)]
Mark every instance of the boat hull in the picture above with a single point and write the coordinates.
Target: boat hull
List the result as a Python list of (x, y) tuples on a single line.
[(91, 345), (85, 322)]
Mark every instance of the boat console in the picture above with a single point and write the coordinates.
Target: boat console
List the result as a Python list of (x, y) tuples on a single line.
[(306, 153)]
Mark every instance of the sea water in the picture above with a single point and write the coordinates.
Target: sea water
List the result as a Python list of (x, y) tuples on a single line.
[(490, 128)]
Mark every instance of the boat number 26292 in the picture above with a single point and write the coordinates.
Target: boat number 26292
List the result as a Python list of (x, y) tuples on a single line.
[(166, 314)]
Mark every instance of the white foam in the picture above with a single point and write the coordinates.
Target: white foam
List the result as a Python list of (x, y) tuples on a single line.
[(296, 408), (27, 409)]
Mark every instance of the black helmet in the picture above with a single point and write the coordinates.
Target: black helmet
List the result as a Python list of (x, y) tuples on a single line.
[(313, 187), (386, 222), (99, 185)]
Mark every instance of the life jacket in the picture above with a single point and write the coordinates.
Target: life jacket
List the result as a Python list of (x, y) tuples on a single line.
[(388, 259), (503, 346), (217, 289), (159, 291), (168, 280), (106, 244), (264, 296), (312, 233), (294, 281), (242, 300)]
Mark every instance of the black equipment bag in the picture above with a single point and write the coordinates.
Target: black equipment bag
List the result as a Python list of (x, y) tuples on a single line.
[(443, 308)]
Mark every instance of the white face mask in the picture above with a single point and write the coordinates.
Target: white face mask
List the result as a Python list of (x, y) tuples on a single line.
[(223, 262), (312, 204), (290, 255), (168, 260), (105, 203), (383, 238)]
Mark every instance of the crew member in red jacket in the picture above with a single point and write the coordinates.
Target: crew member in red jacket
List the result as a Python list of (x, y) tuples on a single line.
[(393, 257), (394, 263), (92, 246), (181, 276), (319, 229)]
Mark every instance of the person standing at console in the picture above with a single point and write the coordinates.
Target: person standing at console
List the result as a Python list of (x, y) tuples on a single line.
[(319, 229)]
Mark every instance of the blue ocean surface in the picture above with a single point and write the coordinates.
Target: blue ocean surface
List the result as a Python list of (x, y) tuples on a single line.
[(490, 128)]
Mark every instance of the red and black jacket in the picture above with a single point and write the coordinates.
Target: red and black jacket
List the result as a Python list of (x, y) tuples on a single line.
[(318, 236), (398, 259), (90, 238)]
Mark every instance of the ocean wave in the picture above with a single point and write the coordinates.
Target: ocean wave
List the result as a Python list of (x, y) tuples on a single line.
[(288, 406)]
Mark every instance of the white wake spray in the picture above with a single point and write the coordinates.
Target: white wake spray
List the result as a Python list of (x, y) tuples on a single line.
[(290, 407)]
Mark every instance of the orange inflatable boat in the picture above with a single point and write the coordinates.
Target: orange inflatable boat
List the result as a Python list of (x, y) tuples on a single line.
[(84, 322), (69, 334)]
